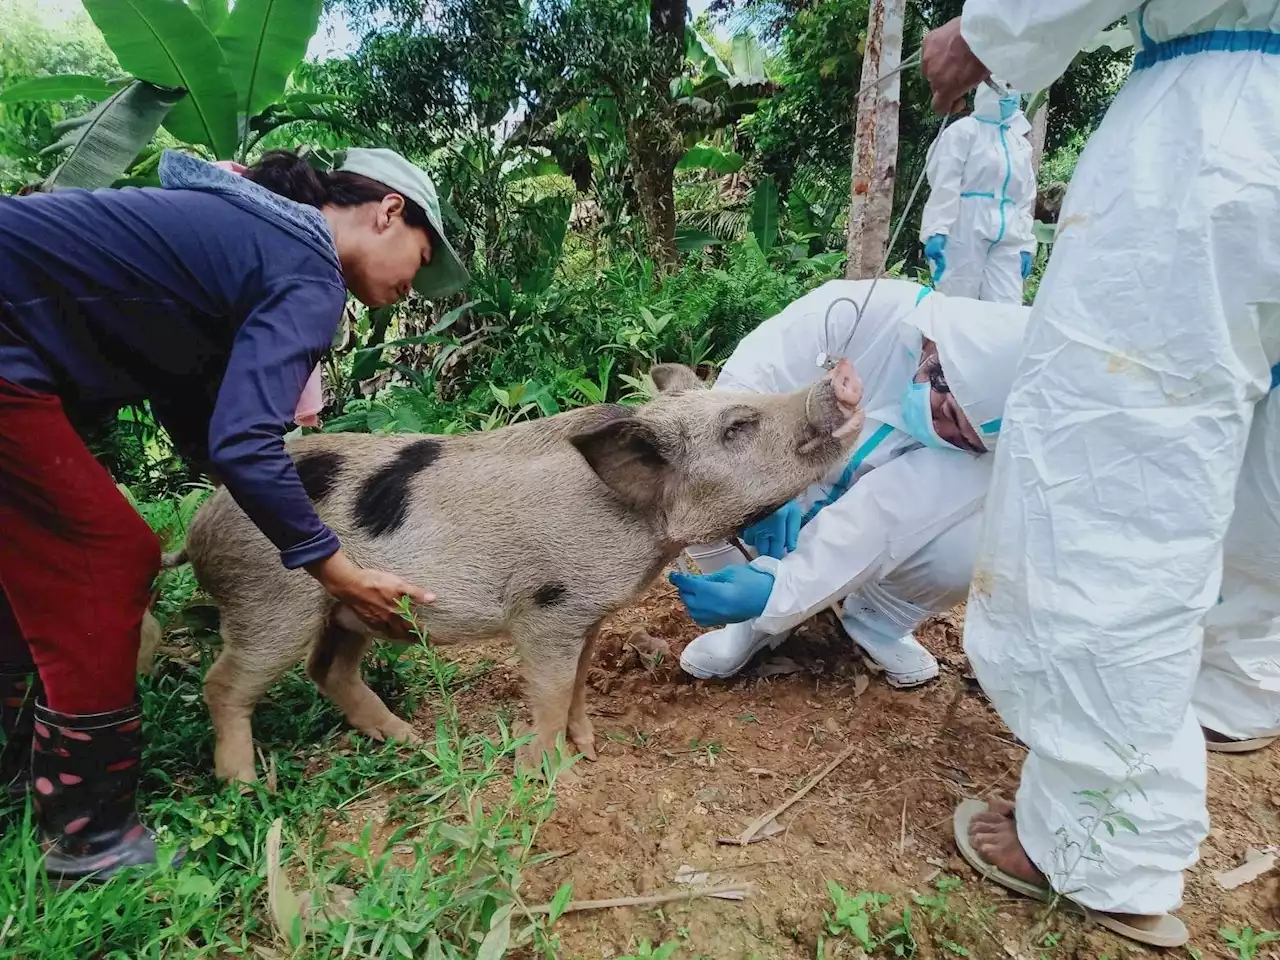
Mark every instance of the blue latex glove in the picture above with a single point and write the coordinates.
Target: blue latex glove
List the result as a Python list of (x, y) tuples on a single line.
[(933, 252), (777, 534), (1027, 262), (730, 595)]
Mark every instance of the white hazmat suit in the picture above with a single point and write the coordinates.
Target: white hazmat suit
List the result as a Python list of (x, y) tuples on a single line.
[(982, 197), (896, 537), (1150, 344)]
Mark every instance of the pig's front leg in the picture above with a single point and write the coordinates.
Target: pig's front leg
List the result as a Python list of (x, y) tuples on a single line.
[(550, 668), (581, 731)]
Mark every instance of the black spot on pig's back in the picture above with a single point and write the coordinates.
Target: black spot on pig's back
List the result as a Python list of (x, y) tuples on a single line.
[(318, 472), (550, 594), (383, 502)]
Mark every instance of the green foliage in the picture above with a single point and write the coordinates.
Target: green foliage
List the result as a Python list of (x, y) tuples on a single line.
[(1246, 941), (208, 90), (511, 354), (98, 146), (166, 44), (35, 49), (263, 41), (647, 951), (470, 825), (711, 158), (856, 916), (57, 89), (931, 920), (764, 214)]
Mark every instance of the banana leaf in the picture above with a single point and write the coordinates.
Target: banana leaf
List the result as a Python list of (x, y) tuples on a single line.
[(105, 141), (263, 41), (165, 43), (64, 87), (764, 214), (711, 158), (211, 12)]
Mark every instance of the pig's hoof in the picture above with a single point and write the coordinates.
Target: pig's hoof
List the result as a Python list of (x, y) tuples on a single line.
[(392, 729), (529, 760), (239, 777), (584, 738)]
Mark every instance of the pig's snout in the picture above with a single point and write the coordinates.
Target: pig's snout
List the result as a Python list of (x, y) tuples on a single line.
[(833, 410), (848, 390)]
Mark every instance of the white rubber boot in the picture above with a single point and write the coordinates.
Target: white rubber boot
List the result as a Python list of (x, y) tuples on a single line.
[(905, 661), (721, 653)]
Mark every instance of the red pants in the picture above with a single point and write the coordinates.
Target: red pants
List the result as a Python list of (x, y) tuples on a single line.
[(76, 560)]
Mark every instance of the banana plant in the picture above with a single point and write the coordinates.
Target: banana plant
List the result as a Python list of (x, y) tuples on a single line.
[(211, 74)]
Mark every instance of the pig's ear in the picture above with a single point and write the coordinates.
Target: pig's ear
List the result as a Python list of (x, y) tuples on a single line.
[(626, 455), (674, 377)]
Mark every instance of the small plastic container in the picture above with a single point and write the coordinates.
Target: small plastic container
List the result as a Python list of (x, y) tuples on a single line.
[(710, 557)]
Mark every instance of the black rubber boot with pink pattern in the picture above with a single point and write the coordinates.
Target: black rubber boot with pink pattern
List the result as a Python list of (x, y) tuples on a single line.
[(19, 688), (84, 783)]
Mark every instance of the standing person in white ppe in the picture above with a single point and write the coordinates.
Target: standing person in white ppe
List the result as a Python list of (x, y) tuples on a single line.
[(891, 533), (1134, 420), (977, 226)]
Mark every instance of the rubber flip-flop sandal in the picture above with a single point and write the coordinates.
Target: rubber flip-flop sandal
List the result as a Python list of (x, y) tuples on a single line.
[(1237, 746), (1165, 931)]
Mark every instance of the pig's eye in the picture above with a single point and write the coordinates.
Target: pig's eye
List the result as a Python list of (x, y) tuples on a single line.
[(738, 429)]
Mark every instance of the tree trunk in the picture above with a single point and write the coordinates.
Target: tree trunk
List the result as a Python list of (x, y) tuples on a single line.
[(1039, 126), (875, 143), (653, 157), (654, 145), (654, 172)]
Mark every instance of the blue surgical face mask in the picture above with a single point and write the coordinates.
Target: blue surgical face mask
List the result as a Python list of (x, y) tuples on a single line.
[(917, 416), (1008, 107)]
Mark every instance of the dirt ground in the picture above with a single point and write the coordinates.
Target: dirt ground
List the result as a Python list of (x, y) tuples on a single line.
[(684, 762)]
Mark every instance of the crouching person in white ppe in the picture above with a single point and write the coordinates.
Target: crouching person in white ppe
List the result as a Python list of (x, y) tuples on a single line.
[(978, 223), (892, 533)]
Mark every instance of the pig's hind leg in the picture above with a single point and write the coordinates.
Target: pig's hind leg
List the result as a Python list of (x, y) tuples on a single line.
[(335, 668), (254, 656)]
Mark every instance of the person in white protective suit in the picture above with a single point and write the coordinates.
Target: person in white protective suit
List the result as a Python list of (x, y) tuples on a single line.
[(1127, 588), (892, 532), (977, 227)]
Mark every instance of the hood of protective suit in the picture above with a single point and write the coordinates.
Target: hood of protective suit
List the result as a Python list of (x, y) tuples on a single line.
[(986, 107), (979, 344)]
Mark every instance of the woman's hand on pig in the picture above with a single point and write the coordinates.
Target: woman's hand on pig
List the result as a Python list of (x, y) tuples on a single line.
[(373, 595)]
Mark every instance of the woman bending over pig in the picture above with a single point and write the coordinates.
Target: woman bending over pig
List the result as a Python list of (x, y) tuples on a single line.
[(213, 298)]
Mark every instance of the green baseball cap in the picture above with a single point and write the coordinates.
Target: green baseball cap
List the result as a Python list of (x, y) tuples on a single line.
[(445, 274)]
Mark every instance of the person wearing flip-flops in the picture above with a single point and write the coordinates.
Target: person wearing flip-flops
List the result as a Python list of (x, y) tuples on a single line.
[(891, 533), (1125, 609)]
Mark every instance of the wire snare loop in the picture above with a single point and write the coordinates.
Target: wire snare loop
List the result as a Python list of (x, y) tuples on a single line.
[(826, 359)]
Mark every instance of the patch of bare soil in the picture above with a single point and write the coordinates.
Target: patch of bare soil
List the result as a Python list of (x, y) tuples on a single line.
[(684, 762)]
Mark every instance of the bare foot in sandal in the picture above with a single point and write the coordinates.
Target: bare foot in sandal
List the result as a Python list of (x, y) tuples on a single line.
[(994, 834)]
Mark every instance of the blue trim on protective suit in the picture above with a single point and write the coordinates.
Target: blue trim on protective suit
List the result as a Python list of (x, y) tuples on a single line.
[(991, 426), (1275, 376), (1143, 36), (924, 292), (1233, 41), (983, 194), (1004, 187), (841, 486)]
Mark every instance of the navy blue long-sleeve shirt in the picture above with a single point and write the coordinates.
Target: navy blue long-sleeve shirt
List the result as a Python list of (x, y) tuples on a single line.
[(214, 311)]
